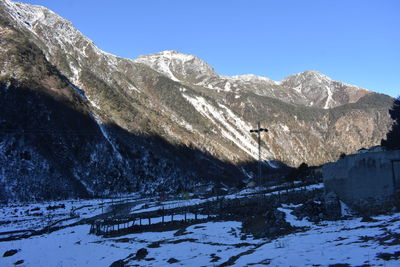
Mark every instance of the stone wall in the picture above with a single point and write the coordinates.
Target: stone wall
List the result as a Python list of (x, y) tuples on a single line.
[(365, 182)]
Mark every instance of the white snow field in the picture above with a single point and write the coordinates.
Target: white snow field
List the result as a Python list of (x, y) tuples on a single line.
[(326, 243)]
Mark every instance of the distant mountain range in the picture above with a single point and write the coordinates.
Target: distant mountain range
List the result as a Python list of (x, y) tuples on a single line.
[(76, 121)]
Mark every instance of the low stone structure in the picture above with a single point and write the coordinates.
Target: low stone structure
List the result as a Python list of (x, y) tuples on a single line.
[(365, 182)]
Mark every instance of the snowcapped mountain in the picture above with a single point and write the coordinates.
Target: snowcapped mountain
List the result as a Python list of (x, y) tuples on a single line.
[(86, 119), (322, 91), (309, 88), (178, 66)]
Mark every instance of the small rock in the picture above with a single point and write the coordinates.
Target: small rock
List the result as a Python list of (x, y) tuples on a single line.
[(10, 252), (19, 262), (118, 263), (154, 245), (172, 260), (214, 258), (141, 254), (368, 219), (180, 232)]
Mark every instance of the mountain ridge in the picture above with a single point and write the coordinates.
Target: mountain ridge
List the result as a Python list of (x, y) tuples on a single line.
[(162, 62), (155, 116), (70, 35)]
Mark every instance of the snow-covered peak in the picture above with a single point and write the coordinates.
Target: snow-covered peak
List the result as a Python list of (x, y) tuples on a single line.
[(312, 74), (253, 78), (59, 37), (321, 90), (315, 86), (309, 76), (28, 14), (178, 66), (55, 31)]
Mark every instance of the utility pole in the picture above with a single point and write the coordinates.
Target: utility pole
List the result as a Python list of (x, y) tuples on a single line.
[(259, 130)]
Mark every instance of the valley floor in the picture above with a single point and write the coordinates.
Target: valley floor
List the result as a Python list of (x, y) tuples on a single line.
[(214, 243)]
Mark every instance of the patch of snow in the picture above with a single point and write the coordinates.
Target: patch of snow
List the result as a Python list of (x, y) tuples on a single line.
[(272, 164), (345, 210), (181, 122), (228, 87), (160, 62), (67, 247), (35, 215), (298, 88), (293, 220), (85, 185), (285, 128), (78, 90), (210, 86), (326, 245), (75, 73), (308, 187), (251, 78), (107, 137), (231, 126), (94, 104), (291, 205), (329, 98), (133, 88)]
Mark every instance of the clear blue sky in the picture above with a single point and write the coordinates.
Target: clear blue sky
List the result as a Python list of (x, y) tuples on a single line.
[(354, 41)]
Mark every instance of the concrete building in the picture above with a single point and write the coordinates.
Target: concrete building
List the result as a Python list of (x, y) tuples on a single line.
[(365, 182)]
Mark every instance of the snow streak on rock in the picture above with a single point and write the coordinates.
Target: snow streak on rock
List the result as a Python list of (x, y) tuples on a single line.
[(329, 98), (230, 125), (107, 137)]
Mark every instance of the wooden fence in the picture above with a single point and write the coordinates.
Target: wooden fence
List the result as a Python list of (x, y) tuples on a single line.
[(165, 219), (151, 220)]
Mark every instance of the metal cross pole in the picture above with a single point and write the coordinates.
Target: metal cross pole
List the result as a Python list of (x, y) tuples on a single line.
[(259, 130)]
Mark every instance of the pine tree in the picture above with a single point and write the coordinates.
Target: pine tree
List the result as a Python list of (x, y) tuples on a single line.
[(393, 136)]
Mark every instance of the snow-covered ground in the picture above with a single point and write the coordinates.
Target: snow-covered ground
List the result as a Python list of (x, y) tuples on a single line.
[(36, 216), (213, 243), (349, 242), (27, 217)]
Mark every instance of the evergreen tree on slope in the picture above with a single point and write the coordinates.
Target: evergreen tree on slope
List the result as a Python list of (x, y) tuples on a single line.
[(393, 136)]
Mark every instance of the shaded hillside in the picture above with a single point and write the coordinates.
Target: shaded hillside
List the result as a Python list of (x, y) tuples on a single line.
[(52, 146)]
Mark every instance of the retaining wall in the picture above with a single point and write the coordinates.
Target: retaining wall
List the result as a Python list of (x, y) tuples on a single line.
[(364, 181)]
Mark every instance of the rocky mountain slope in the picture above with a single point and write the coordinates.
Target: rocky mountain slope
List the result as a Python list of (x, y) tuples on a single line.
[(87, 122)]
